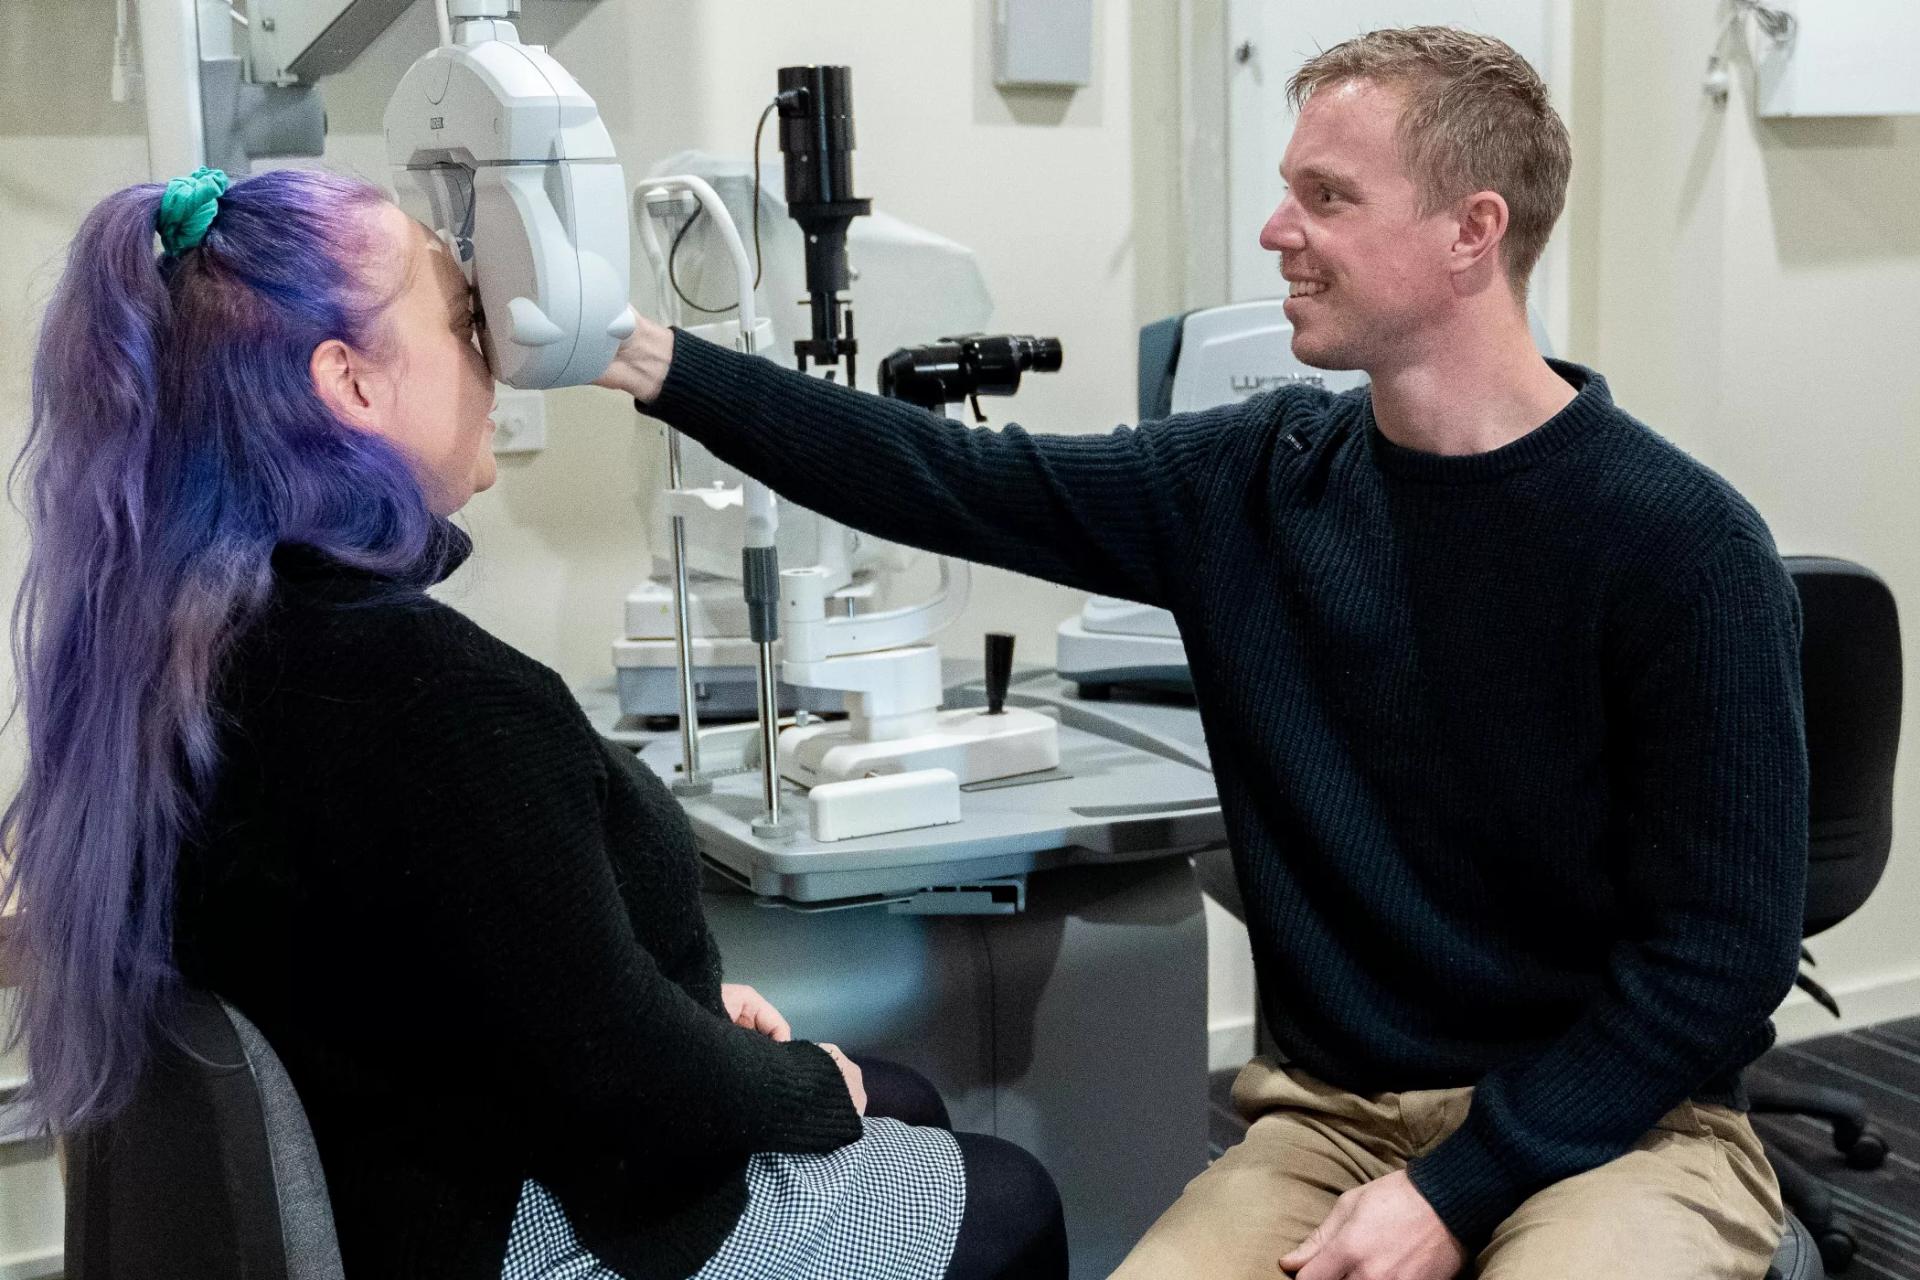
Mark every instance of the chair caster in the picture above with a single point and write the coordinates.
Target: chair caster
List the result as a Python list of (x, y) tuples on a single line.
[(1836, 1249), (1863, 1148)]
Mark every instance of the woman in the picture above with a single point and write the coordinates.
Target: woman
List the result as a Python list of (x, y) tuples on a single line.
[(262, 762)]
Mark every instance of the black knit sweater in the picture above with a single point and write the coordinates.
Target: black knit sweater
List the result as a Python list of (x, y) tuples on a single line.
[(473, 933), (1509, 745)]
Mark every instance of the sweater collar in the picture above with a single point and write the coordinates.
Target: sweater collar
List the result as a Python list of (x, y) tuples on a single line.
[(1590, 409), (448, 547)]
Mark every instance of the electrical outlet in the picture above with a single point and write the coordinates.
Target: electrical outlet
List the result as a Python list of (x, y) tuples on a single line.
[(520, 421)]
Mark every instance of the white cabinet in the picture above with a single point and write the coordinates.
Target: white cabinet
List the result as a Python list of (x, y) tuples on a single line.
[(1843, 58)]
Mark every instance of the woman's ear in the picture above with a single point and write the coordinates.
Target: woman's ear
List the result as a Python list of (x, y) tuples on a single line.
[(344, 381)]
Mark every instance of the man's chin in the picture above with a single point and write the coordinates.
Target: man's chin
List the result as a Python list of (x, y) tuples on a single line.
[(1317, 353)]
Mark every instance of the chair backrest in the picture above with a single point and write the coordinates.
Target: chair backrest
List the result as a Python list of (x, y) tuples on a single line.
[(1850, 675), (211, 1171)]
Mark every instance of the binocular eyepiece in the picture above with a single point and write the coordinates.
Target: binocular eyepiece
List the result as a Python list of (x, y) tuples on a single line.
[(960, 368)]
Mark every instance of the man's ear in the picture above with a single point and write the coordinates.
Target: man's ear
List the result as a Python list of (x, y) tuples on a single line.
[(343, 380), (1481, 225)]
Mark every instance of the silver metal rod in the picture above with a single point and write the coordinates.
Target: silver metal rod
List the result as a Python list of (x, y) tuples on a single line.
[(690, 779), (769, 690)]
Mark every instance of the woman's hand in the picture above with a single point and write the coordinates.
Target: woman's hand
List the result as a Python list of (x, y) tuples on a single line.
[(850, 1072), (748, 1008), (639, 367)]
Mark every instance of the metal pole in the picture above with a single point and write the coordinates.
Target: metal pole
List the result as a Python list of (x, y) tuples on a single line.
[(170, 68), (690, 782), (771, 823)]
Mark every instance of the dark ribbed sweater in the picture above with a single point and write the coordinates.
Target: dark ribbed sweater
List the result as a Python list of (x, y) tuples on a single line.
[(1509, 745), (472, 931)]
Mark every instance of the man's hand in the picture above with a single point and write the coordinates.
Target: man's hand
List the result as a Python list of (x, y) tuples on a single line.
[(639, 367), (748, 1008), (1385, 1230)]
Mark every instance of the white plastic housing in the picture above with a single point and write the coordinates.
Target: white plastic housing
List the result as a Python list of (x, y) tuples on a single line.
[(870, 806), (1085, 653), (495, 145), (973, 745), (890, 694)]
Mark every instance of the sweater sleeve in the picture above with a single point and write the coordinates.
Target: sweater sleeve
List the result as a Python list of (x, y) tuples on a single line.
[(501, 865), (1713, 792), (1112, 514)]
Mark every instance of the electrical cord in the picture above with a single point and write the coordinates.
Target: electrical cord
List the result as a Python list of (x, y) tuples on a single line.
[(759, 262)]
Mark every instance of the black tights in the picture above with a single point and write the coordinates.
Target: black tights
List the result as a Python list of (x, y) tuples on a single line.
[(1013, 1227)]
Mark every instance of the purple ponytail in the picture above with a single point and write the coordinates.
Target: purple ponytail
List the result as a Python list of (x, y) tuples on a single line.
[(176, 439)]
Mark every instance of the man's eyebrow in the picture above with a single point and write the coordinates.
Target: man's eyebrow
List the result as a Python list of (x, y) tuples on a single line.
[(1313, 173)]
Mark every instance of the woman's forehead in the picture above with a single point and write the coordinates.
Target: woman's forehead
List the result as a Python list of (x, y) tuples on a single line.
[(425, 262)]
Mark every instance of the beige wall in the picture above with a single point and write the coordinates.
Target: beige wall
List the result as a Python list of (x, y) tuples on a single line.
[(1752, 290)]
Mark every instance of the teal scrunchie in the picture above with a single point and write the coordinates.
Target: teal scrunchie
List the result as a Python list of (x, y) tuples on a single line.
[(187, 209)]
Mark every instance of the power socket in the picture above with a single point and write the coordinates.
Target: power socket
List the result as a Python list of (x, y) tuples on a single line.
[(519, 420)]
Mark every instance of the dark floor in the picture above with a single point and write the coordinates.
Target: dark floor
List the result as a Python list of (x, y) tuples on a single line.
[(1881, 1208)]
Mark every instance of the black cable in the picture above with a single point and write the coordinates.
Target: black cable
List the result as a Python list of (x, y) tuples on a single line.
[(759, 262)]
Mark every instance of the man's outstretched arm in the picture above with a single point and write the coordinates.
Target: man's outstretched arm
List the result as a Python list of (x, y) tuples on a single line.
[(1113, 514)]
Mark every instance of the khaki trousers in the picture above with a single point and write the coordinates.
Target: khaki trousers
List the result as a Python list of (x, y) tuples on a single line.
[(1695, 1198)]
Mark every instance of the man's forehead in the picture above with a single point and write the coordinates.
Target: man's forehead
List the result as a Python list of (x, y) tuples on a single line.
[(1344, 127)]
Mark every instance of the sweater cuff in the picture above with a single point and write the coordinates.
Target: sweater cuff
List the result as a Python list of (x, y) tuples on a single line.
[(704, 384), (1468, 1186), (806, 1103)]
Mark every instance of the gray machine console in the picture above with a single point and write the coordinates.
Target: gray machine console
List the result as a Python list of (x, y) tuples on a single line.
[(1133, 784)]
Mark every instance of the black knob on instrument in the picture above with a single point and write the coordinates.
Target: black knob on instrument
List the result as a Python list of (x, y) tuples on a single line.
[(999, 670)]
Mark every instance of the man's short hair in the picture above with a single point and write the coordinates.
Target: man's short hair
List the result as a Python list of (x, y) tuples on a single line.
[(1477, 118)]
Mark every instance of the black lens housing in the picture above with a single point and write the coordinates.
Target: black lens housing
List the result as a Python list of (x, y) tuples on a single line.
[(960, 368), (815, 106)]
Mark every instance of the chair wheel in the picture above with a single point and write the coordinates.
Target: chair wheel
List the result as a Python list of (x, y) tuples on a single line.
[(1867, 1151), (1836, 1248)]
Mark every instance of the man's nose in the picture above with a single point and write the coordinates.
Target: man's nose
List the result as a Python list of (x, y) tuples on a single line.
[(1282, 232)]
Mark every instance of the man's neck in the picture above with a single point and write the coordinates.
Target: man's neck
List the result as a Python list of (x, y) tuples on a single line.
[(1472, 397)]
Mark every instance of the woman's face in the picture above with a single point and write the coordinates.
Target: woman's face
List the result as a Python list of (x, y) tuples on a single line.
[(434, 391)]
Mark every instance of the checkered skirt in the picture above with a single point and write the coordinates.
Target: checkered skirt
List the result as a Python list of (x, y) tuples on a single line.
[(887, 1205)]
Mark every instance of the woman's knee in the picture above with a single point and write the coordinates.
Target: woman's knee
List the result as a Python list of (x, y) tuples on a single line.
[(901, 1093), (1014, 1227)]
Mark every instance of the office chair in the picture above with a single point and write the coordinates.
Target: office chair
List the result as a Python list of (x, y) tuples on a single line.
[(211, 1172), (1851, 679)]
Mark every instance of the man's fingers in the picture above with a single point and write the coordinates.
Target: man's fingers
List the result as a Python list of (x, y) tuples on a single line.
[(1305, 1251), (1329, 1264), (1315, 1244)]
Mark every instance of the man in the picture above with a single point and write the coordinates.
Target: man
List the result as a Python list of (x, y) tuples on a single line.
[(1502, 692)]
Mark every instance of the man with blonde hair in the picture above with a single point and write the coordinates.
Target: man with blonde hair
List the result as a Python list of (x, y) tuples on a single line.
[(1502, 694)]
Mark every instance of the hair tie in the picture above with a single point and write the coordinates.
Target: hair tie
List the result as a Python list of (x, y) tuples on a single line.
[(187, 209)]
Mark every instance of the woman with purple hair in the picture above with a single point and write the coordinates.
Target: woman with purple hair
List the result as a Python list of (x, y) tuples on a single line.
[(264, 763)]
